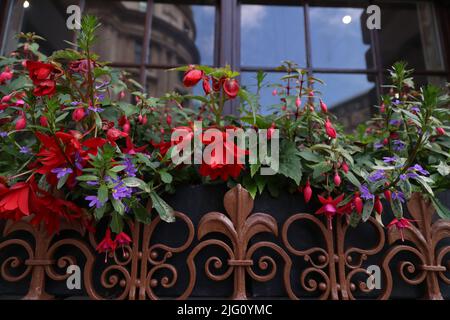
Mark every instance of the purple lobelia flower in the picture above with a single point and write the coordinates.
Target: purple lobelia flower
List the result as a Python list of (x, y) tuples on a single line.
[(25, 150), (376, 176), (121, 191), (395, 122), (94, 201), (396, 102), (418, 168), (398, 145), (415, 109), (390, 159), (365, 193), (3, 134), (378, 145), (61, 172), (95, 109), (78, 161), (130, 169), (398, 195)]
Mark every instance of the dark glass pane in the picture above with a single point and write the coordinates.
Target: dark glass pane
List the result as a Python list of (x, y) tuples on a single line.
[(182, 34), (410, 32), (340, 38), (270, 34), (349, 96), (121, 33), (47, 18)]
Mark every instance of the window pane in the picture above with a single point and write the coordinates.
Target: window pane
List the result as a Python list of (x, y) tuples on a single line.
[(349, 96), (270, 34), (340, 38), (409, 32), (269, 103), (121, 33), (47, 18), (182, 34)]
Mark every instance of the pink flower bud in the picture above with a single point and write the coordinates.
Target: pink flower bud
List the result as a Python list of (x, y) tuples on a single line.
[(307, 192), (169, 120), (344, 167), (78, 114), (440, 131), (378, 206), (43, 121), (323, 106), (298, 102), (274, 92), (21, 123), (337, 180), (357, 201)]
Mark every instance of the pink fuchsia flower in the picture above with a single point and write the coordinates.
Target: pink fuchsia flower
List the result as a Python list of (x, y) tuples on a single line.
[(357, 201), (206, 85), (231, 88), (106, 245), (400, 224), (337, 179), (307, 192), (78, 114), (331, 132), (122, 240), (21, 122), (440, 131), (6, 75), (345, 167), (192, 77), (323, 106), (330, 208)]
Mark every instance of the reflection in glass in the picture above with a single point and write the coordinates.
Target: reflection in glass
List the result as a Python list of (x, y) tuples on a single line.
[(121, 33), (47, 18), (270, 34), (349, 96), (409, 32), (269, 103), (181, 35), (340, 38)]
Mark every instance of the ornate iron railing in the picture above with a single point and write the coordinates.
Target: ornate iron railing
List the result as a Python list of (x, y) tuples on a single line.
[(239, 249)]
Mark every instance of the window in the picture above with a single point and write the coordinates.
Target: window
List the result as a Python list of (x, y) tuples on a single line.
[(330, 40), (327, 38)]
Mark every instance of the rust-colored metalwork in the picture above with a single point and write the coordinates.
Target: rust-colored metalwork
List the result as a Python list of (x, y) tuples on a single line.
[(331, 269), (422, 241)]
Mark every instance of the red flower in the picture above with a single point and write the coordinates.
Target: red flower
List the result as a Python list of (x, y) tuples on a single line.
[(131, 148), (357, 201), (323, 106), (106, 245), (45, 88), (217, 165), (6, 75), (217, 83), (400, 224), (43, 121), (192, 77), (345, 167), (231, 88), (81, 66), (122, 239), (378, 206), (39, 71), (331, 132), (26, 198), (330, 208), (114, 134), (440, 131), (78, 114), (21, 122), (43, 77), (124, 123), (307, 192), (206, 85)]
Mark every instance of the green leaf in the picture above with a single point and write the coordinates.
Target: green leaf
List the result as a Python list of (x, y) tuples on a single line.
[(87, 177), (164, 210), (165, 177), (441, 210), (310, 156), (290, 163), (354, 219), (424, 181), (397, 208), (320, 168), (250, 186), (260, 183), (116, 223), (443, 169), (133, 182), (254, 168), (142, 215), (102, 193), (62, 181), (367, 209), (351, 177), (117, 168), (118, 206), (99, 212)]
